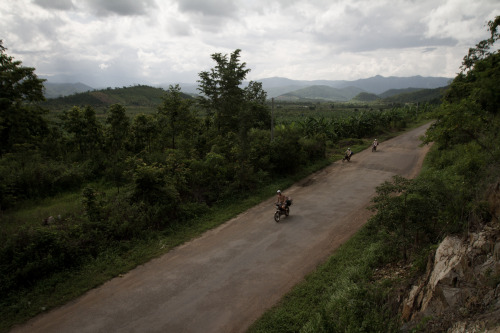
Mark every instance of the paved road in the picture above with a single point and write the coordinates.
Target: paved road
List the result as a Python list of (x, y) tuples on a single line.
[(225, 279)]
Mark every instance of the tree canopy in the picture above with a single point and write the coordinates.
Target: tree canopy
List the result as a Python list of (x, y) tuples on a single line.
[(225, 99), (21, 121), (473, 99)]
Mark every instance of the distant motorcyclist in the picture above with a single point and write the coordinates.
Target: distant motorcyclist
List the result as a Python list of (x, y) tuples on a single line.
[(348, 154), (374, 145)]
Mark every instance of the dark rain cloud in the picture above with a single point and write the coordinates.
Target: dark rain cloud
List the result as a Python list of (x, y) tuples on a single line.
[(380, 28), (122, 71), (215, 8), (33, 31), (55, 4), (209, 15), (121, 7), (102, 8)]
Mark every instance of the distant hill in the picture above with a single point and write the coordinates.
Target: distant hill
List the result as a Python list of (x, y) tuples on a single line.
[(277, 86), (326, 93), (393, 92), (432, 96), (54, 90), (136, 96), (379, 84), (320, 93), (365, 97)]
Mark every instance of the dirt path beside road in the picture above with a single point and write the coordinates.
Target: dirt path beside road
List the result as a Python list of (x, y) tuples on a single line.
[(225, 279)]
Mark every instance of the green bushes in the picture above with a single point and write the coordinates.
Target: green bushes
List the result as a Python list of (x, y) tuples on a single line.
[(286, 155), (315, 148), (214, 164), (29, 176), (354, 307), (34, 253)]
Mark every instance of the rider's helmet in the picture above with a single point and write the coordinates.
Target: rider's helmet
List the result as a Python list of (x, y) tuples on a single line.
[(348, 148), (278, 192)]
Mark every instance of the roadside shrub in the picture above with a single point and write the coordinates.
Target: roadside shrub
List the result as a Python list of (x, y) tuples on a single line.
[(354, 307), (258, 151), (411, 211), (37, 252), (286, 155), (315, 148), (32, 177), (191, 210), (246, 179), (209, 178), (153, 186), (123, 220)]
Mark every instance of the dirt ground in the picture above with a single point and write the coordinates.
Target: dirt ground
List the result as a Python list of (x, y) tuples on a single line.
[(224, 280)]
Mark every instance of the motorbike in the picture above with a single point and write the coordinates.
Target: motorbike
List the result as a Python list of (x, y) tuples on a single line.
[(347, 158), (374, 148), (282, 211)]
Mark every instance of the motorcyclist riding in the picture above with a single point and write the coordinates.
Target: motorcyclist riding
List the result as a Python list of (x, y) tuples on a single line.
[(281, 200), (282, 206), (374, 145), (348, 154)]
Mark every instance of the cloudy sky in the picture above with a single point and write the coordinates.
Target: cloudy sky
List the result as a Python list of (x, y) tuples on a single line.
[(124, 42)]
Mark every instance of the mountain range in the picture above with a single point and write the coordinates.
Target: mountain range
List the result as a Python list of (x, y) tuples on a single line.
[(287, 89), (277, 87)]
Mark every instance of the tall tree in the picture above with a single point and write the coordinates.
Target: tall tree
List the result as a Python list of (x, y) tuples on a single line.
[(221, 92), (119, 127), (143, 129), (85, 129), (117, 135), (174, 114), (223, 96), (21, 119), (255, 112)]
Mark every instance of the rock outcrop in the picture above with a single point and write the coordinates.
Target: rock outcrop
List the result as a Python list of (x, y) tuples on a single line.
[(460, 290)]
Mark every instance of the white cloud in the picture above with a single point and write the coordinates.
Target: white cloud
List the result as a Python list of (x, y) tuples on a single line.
[(461, 19), (122, 42)]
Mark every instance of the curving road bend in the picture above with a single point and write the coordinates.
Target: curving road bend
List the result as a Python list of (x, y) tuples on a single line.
[(225, 279)]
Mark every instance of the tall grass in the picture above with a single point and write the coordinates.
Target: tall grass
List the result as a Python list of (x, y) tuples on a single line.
[(35, 212)]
